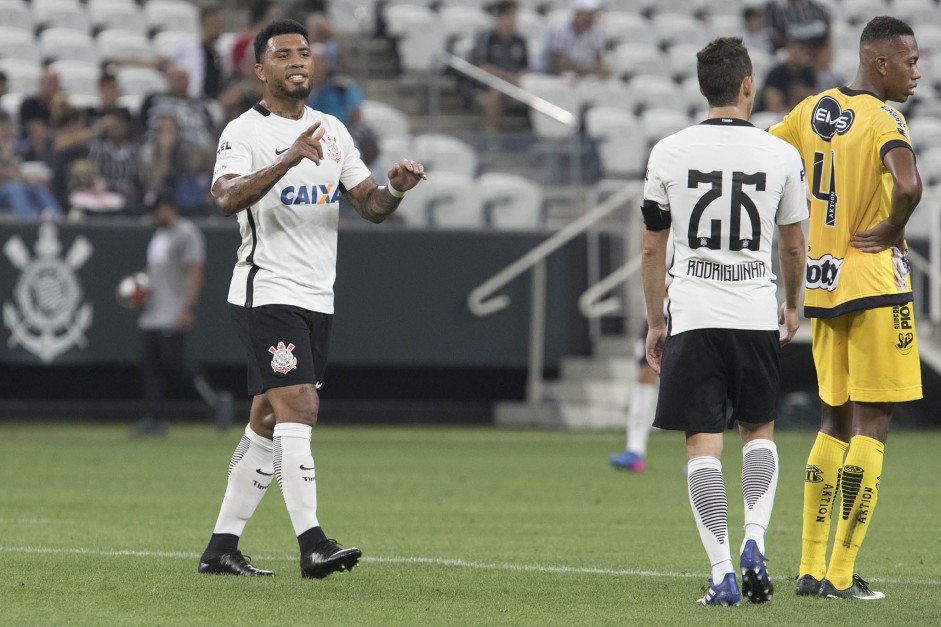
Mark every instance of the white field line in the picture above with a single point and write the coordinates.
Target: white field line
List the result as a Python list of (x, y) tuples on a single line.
[(431, 561)]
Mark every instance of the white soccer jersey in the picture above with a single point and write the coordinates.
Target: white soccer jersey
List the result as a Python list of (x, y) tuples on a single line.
[(289, 238), (726, 185)]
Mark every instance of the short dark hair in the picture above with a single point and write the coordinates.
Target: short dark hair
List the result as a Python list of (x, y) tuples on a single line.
[(277, 27), (722, 66), (503, 6), (885, 28)]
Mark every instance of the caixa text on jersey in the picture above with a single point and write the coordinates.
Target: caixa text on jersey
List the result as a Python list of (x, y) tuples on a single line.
[(310, 194)]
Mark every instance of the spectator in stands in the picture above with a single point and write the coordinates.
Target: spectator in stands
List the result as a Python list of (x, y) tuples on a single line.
[(24, 198), (795, 19), (320, 31), (577, 47), (3, 83), (754, 31), (177, 167), (335, 94), (198, 55), (71, 138), (501, 51), (792, 80), (37, 109), (88, 191), (192, 114), (242, 91), (117, 159), (108, 94), (263, 12)]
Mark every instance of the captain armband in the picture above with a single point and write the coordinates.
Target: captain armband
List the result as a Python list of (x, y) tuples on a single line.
[(655, 218)]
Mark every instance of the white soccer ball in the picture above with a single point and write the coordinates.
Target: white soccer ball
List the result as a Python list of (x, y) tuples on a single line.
[(134, 290)]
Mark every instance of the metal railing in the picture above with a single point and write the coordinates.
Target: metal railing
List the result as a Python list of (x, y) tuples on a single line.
[(484, 301)]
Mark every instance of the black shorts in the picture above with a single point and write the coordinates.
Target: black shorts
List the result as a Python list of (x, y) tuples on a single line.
[(704, 370), (285, 345)]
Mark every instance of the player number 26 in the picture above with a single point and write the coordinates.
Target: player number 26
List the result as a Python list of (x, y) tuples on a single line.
[(740, 201)]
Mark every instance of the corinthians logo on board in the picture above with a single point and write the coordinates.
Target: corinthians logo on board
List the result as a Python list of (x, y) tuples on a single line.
[(47, 316)]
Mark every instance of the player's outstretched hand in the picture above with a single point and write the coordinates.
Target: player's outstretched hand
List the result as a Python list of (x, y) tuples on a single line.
[(405, 174), (790, 321), (881, 237), (307, 146), (656, 336)]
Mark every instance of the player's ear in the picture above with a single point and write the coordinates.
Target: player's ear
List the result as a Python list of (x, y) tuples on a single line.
[(748, 86), (260, 72)]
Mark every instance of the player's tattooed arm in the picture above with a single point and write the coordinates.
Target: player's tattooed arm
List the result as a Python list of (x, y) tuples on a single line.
[(234, 193), (376, 203)]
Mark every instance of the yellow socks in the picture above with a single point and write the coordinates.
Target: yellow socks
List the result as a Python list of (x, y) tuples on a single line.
[(859, 491), (820, 482)]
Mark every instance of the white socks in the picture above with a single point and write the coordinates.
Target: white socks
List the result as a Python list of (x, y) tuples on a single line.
[(250, 473), (640, 414), (711, 510), (759, 483), (294, 469)]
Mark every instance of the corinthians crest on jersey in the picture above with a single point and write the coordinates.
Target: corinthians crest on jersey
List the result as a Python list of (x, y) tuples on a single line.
[(47, 316)]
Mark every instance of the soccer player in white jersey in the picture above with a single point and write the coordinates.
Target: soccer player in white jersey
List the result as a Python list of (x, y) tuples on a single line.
[(724, 187), (280, 168)]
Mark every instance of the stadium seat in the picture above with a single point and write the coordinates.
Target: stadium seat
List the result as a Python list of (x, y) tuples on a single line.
[(622, 146), (167, 40), (16, 15), (859, 12), (123, 44), (353, 20), (633, 6), (726, 9), (682, 60), (625, 26), (419, 35), (606, 93), (726, 25), (452, 200), (929, 166), (558, 92), (131, 102), (140, 80), (443, 153), (511, 201), (169, 15), (76, 77), (929, 38), (925, 132), (532, 27), (658, 123), (633, 58), (659, 92), (463, 21), (761, 62), (674, 28), (60, 13), (18, 44), (22, 75), (63, 43), (121, 14), (919, 225), (384, 119), (11, 103)]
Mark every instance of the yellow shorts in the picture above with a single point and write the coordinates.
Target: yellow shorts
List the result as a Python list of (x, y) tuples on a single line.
[(869, 356)]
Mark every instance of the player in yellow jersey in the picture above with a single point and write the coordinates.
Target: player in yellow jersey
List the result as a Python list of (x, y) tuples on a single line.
[(864, 186)]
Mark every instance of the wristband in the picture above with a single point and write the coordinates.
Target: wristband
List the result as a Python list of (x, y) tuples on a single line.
[(395, 193)]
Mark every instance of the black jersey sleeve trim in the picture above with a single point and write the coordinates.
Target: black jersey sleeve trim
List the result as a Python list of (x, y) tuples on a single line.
[(250, 283), (261, 109), (869, 302), (895, 143), (655, 218)]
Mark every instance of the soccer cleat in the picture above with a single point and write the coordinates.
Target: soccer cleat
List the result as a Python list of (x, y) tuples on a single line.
[(726, 593), (859, 590), (806, 586), (326, 558), (233, 563), (626, 460), (756, 582)]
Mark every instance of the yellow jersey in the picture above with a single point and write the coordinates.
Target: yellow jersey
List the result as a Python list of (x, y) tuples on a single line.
[(842, 136)]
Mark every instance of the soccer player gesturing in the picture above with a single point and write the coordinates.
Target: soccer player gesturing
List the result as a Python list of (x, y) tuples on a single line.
[(280, 168)]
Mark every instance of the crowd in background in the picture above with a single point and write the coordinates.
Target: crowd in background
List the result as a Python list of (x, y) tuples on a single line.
[(59, 159)]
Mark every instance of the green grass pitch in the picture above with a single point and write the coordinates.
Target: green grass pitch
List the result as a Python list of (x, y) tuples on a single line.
[(459, 526)]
